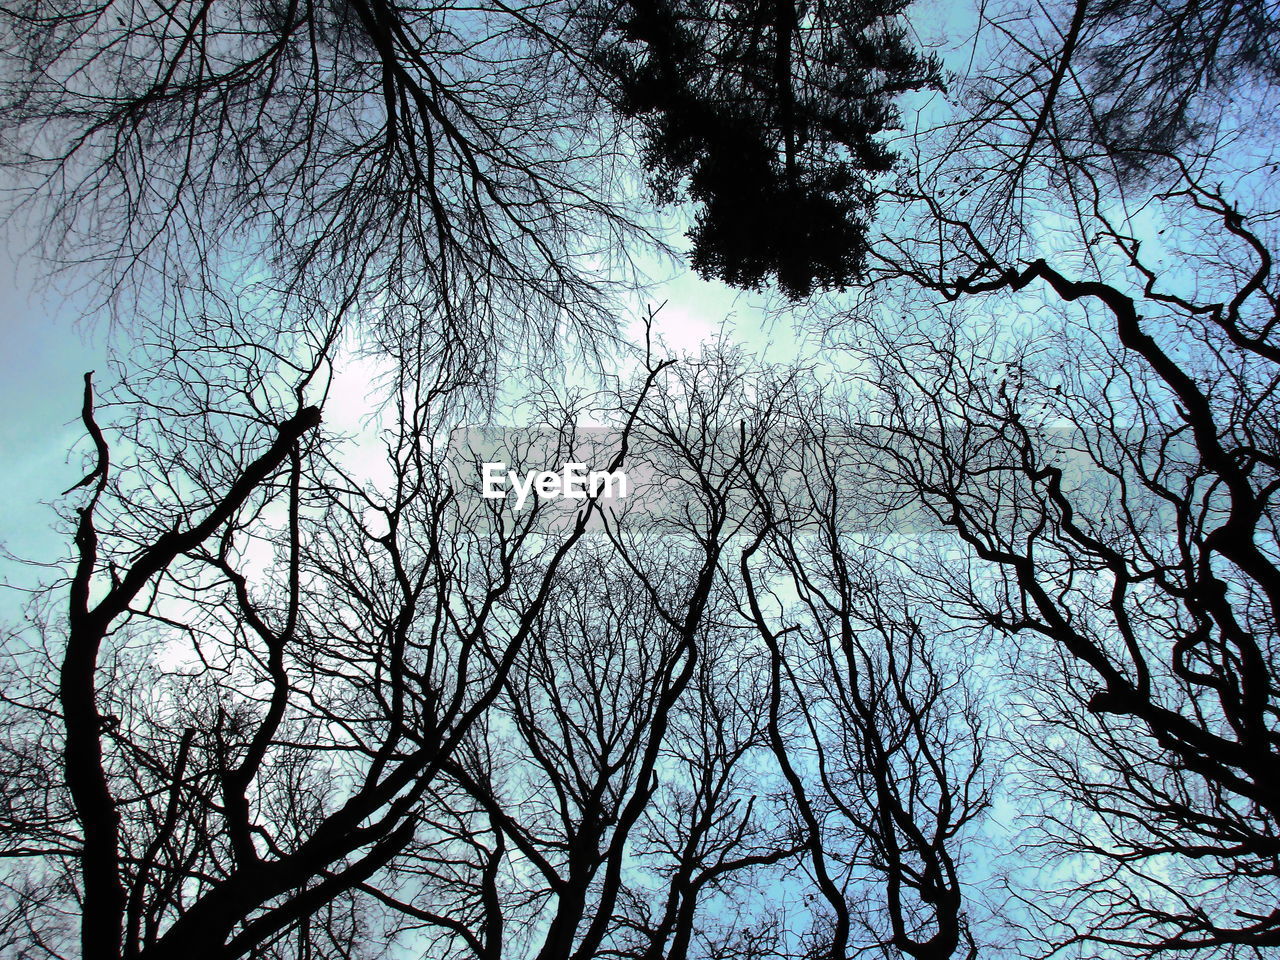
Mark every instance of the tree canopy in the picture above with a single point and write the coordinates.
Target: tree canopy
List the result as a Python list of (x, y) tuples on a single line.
[(770, 117), (956, 636)]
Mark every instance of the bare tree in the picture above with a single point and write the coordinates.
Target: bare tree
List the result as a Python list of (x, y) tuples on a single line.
[(871, 721), (443, 169), (1117, 476), (247, 739)]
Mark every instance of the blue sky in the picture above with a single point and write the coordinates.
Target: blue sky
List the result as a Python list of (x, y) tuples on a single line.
[(44, 353)]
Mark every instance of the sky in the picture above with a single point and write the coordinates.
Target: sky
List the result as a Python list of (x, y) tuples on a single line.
[(44, 354)]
